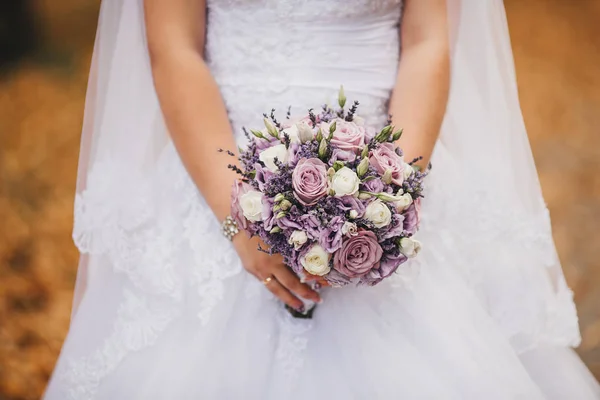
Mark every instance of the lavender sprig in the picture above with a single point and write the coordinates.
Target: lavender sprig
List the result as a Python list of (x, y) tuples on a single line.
[(352, 111)]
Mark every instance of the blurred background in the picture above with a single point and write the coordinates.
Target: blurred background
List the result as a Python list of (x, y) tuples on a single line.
[(45, 50)]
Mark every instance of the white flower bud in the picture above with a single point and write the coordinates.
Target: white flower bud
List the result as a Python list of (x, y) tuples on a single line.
[(323, 148), (387, 176), (363, 167), (410, 247), (305, 132), (297, 239), (408, 170), (281, 214), (387, 197), (285, 205), (353, 214), (271, 129), (341, 97), (349, 228)]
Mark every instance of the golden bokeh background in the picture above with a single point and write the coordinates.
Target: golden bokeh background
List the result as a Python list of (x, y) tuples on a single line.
[(557, 52)]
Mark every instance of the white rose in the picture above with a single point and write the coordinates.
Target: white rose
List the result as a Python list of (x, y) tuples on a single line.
[(293, 133), (268, 155), (305, 132), (404, 202), (316, 261), (298, 238), (251, 204), (344, 182), (408, 170), (378, 213), (410, 247), (349, 228)]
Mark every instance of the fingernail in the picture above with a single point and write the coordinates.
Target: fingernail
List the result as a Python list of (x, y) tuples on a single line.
[(303, 279)]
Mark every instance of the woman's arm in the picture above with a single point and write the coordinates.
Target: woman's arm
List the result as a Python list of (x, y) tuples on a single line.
[(189, 97), (198, 124), (419, 98)]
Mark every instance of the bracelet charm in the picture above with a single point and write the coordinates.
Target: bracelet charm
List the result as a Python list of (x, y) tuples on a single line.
[(229, 227)]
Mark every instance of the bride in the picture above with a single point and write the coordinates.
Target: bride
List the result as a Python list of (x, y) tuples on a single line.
[(166, 307)]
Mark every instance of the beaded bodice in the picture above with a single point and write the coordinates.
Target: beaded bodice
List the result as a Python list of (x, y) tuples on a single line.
[(280, 53)]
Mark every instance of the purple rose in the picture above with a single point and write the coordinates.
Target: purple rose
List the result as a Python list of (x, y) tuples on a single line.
[(395, 227), (347, 136), (388, 265), (309, 180), (239, 188), (330, 238), (411, 219), (358, 255), (341, 155), (384, 158), (374, 185), (335, 279), (348, 203)]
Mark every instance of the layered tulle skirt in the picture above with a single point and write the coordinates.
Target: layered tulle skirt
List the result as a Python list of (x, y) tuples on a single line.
[(169, 313)]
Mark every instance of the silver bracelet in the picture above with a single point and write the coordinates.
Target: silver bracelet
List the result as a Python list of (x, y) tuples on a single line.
[(229, 228)]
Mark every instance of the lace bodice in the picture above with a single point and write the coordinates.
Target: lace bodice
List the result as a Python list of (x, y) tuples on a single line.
[(270, 53)]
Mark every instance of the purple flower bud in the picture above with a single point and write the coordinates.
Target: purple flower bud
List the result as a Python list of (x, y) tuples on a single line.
[(330, 238), (373, 185)]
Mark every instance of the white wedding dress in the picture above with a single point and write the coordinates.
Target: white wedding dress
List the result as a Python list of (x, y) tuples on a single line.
[(168, 311)]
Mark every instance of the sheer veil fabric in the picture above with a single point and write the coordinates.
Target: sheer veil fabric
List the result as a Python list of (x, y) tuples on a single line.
[(161, 299)]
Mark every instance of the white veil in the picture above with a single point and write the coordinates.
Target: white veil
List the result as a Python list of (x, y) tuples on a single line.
[(123, 137), (483, 137), (510, 253)]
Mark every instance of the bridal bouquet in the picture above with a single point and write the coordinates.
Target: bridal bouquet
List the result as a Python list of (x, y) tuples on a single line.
[(332, 195)]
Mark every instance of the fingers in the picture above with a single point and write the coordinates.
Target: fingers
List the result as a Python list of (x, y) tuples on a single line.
[(284, 295), (289, 280), (317, 279)]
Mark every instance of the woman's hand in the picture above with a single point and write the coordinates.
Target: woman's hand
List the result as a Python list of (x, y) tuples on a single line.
[(283, 283)]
